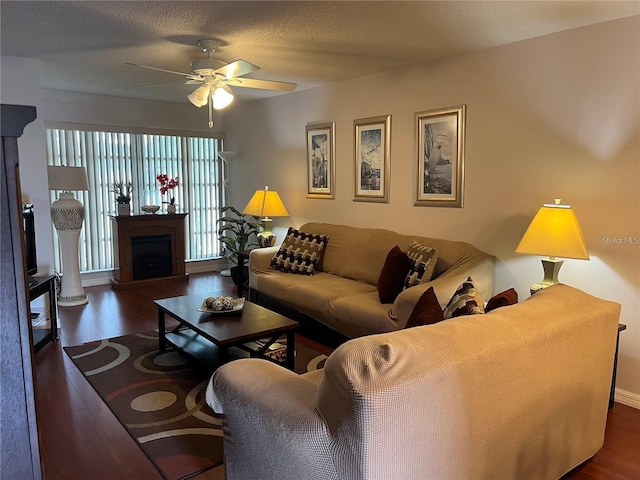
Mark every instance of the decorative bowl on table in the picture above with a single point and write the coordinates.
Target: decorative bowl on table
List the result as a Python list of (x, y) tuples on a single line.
[(150, 208), (221, 305)]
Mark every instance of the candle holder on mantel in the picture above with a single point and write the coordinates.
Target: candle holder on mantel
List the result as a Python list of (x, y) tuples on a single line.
[(150, 202)]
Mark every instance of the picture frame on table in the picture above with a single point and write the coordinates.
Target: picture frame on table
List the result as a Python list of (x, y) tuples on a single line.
[(321, 152), (440, 145), (372, 156)]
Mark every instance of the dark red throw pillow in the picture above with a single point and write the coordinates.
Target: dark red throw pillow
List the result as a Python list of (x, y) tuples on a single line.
[(392, 275), (426, 311), (502, 299)]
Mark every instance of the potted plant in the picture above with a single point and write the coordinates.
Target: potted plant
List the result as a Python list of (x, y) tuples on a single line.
[(235, 233), (123, 193), (166, 184)]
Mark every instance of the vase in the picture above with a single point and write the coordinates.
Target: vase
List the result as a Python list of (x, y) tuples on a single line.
[(171, 209), (124, 209)]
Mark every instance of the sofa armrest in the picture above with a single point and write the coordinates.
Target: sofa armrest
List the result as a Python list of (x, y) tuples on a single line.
[(259, 261), (269, 422), (480, 269)]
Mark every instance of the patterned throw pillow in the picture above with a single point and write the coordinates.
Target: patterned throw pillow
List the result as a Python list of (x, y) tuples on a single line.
[(299, 252), (466, 301), (427, 310), (423, 262)]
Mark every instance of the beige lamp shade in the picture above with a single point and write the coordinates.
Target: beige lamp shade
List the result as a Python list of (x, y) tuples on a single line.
[(554, 232), (266, 203), (67, 178)]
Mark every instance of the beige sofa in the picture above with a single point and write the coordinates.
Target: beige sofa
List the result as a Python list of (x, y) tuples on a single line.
[(518, 393), (343, 295)]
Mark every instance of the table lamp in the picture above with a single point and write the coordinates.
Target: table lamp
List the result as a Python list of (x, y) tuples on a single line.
[(266, 203), (67, 215), (553, 232)]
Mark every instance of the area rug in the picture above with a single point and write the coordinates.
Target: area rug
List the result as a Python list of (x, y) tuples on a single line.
[(159, 398)]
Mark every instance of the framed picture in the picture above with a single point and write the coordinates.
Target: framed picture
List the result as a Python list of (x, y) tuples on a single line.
[(440, 157), (372, 154), (321, 149)]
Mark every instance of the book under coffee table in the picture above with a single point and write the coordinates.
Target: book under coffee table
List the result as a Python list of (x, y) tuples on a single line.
[(214, 339)]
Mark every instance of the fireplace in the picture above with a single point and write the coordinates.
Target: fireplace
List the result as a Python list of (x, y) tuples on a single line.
[(148, 250), (151, 257)]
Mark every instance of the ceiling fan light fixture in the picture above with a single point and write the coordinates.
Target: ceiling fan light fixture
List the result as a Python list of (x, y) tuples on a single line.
[(200, 96), (221, 97)]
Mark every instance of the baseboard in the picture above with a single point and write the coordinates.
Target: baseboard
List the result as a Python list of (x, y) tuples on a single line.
[(104, 277), (96, 278), (202, 266), (627, 398)]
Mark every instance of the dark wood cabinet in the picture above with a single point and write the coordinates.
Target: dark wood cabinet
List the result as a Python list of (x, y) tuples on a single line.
[(20, 450), (128, 229)]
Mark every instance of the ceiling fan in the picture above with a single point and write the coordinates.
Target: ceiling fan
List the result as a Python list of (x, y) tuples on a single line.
[(215, 81)]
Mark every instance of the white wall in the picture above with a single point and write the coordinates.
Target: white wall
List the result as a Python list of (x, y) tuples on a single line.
[(20, 85), (553, 117), (62, 106)]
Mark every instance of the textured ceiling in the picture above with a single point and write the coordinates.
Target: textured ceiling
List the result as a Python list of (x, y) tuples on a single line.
[(83, 45)]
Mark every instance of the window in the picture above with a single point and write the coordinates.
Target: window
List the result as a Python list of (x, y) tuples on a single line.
[(138, 158)]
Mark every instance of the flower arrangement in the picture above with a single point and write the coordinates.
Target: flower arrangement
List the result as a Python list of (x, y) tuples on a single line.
[(123, 192), (167, 184)]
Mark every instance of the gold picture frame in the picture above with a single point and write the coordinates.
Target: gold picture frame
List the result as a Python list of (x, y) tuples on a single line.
[(321, 152), (440, 143), (372, 155)]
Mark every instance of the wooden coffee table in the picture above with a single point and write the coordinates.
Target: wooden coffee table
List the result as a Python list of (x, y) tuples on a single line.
[(210, 337)]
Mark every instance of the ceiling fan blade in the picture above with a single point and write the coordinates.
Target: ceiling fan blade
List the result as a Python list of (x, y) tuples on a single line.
[(237, 69), (188, 75), (161, 84), (263, 84)]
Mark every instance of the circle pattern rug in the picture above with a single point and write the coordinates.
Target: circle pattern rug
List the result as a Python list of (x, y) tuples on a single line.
[(159, 397)]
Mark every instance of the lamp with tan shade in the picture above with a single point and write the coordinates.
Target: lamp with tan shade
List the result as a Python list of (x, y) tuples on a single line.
[(266, 203), (67, 215), (553, 232)]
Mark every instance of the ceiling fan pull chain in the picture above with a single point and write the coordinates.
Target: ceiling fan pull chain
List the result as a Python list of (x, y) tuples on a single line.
[(210, 103)]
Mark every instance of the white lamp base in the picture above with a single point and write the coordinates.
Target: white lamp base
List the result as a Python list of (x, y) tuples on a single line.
[(266, 238), (551, 267), (67, 215)]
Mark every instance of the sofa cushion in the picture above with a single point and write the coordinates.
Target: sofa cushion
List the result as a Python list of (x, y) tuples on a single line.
[(299, 252), (427, 311), (356, 315), (423, 262), (502, 299), (392, 275), (352, 308), (356, 253), (466, 301)]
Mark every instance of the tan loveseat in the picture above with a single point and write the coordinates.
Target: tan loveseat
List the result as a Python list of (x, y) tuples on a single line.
[(342, 293), (517, 393)]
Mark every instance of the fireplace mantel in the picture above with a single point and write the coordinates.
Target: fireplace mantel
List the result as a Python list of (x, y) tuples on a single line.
[(126, 227)]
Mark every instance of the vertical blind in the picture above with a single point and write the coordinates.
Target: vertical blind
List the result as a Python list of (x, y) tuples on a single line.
[(138, 158)]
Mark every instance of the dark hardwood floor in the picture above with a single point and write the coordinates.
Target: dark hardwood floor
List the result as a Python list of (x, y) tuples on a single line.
[(81, 439)]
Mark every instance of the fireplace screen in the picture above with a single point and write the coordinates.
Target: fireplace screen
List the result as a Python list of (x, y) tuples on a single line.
[(151, 257)]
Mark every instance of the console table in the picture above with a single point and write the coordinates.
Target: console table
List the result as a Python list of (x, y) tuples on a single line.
[(40, 286), (612, 392), (127, 229)]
